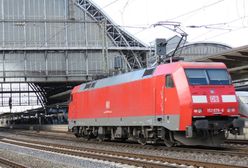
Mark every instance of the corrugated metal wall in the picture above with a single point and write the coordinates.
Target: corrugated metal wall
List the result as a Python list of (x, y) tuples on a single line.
[(40, 23), (49, 38)]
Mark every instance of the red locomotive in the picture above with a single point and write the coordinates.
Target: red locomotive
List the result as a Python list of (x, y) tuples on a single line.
[(178, 103)]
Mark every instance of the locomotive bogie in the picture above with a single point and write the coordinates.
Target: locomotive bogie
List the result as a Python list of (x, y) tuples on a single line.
[(142, 134), (203, 132)]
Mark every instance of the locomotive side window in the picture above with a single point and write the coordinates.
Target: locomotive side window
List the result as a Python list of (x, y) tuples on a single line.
[(208, 77), (148, 72), (87, 86), (169, 81), (71, 98)]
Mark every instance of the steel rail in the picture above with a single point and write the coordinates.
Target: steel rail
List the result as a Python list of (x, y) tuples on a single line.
[(113, 156), (9, 163)]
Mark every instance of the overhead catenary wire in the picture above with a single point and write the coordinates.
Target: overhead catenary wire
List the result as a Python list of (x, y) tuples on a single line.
[(221, 34), (226, 24), (144, 28), (220, 27), (109, 4), (196, 10)]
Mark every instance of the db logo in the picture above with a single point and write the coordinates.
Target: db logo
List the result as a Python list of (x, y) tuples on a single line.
[(214, 99)]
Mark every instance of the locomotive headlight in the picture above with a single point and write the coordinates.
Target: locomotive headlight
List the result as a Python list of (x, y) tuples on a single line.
[(231, 110), (198, 111)]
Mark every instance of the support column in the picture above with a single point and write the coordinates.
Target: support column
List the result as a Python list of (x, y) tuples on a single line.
[(71, 9), (20, 97), (45, 27), (46, 63), (24, 28), (4, 73), (1, 94), (105, 47), (3, 33), (66, 64), (25, 66), (86, 62)]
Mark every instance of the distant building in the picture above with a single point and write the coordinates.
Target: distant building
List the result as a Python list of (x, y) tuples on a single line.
[(188, 51), (56, 44), (192, 51)]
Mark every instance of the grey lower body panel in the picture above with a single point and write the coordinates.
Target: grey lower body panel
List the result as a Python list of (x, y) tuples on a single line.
[(170, 122)]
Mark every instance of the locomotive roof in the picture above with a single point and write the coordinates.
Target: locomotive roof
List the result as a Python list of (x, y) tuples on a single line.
[(122, 78), (145, 73)]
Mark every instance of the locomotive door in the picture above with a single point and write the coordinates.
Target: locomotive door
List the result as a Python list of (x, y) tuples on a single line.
[(170, 96)]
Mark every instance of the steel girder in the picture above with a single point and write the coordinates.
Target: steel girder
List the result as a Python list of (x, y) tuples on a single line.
[(117, 35), (22, 92)]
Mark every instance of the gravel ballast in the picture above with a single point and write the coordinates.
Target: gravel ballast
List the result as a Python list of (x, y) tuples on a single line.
[(40, 159), (204, 157)]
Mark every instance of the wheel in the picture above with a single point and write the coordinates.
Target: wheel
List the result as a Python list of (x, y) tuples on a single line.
[(100, 139), (86, 137), (77, 135), (226, 134), (142, 140), (168, 143)]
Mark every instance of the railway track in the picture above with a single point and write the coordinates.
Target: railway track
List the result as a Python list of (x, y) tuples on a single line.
[(113, 156), (237, 141), (225, 150), (7, 163)]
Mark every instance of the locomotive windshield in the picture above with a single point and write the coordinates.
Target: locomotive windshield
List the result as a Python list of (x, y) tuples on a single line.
[(208, 77)]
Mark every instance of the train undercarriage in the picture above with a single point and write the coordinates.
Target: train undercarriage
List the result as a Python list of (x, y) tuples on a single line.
[(204, 132), (142, 135)]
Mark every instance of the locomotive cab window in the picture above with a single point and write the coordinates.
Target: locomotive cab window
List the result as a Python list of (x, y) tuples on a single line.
[(218, 77), (208, 76), (169, 81)]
